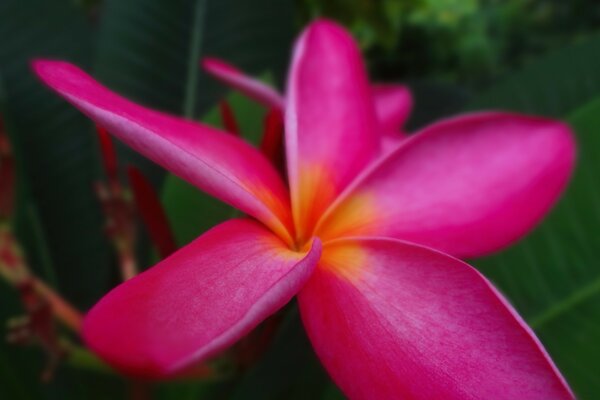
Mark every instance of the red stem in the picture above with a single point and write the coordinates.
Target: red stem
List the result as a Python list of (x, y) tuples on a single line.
[(152, 213), (7, 175), (228, 118), (62, 309), (109, 156), (272, 141)]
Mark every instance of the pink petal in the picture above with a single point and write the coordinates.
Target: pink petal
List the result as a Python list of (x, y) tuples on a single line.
[(218, 163), (330, 120), (393, 104), (391, 319), (253, 88), (197, 302), (468, 186)]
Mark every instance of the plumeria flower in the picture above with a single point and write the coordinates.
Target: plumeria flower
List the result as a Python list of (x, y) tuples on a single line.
[(369, 240)]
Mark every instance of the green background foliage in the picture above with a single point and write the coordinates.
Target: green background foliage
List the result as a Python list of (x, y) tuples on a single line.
[(534, 56)]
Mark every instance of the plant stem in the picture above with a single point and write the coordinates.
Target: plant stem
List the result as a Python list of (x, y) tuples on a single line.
[(62, 309), (194, 55), (127, 264)]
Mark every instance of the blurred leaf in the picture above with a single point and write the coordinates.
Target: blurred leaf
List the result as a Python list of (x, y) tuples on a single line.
[(183, 391), (553, 276), (289, 370), (553, 85), (52, 141), (149, 50), (333, 393), (433, 101), (16, 369), (58, 216), (190, 211), (471, 41)]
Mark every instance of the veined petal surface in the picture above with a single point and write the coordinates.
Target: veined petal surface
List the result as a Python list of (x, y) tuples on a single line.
[(468, 186), (216, 162), (198, 301), (394, 320)]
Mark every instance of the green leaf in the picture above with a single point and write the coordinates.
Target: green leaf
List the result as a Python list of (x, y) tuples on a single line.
[(553, 85), (190, 212), (553, 276), (289, 370), (333, 393), (58, 217), (149, 50), (53, 144)]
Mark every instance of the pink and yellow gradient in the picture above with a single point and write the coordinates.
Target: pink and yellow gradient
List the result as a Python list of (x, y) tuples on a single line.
[(365, 234)]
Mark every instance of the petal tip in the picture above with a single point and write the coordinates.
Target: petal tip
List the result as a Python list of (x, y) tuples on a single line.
[(561, 141), (40, 64), (325, 25), (61, 76), (216, 65), (47, 68), (567, 137), (96, 327), (327, 31), (316, 248), (164, 320)]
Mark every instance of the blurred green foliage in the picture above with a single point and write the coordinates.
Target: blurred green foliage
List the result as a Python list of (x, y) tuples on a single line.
[(468, 41)]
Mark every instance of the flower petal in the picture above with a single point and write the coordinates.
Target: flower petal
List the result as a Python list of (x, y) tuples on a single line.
[(218, 163), (253, 88), (468, 186), (393, 104), (198, 301), (391, 319), (331, 131)]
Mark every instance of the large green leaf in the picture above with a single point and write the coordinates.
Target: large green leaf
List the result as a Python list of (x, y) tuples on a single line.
[(59, 219), (53, 142), (552, 85), (149, 50)]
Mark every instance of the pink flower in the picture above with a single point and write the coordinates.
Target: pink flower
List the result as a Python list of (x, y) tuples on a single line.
[(367, 242)]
